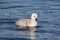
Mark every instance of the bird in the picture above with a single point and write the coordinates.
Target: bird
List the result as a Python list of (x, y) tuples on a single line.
[(27, 23)]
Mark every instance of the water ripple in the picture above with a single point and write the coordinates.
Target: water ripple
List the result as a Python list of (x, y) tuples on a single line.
[(14, 7)]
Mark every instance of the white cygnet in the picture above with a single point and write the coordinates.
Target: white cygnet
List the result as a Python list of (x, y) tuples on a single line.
[(23, 23)]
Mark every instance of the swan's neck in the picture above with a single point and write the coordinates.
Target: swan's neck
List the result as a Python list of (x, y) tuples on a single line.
[(33, 22), (33, 19)]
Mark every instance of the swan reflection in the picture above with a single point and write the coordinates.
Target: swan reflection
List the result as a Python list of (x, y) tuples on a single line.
[(30, 33)]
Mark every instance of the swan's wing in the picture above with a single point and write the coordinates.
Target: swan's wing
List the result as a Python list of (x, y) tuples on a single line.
[(23, 22)]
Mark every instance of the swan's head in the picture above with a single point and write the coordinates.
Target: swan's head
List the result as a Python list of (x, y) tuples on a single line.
[(34, 16)]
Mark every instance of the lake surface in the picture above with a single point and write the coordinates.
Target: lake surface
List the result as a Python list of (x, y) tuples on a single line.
[(48, 19)]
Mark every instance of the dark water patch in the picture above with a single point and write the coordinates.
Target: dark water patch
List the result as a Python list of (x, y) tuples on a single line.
[(36, 9), (39, 26), (10, 22), (14, 39), (6, 2), (3, 2), (56, 4), (43, 38), (55, 9), (50, 11), (14, 7), (46, 22), (48, 38), (7, 20), (47, 0), (51, 31), (57, 24)]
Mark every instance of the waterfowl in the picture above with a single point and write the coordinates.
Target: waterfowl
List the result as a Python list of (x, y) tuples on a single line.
[(23, 23)]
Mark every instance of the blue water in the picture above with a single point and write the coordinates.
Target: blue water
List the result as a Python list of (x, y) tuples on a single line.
[(48, 19)]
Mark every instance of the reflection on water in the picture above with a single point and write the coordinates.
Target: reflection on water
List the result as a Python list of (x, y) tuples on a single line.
[(31, 33)]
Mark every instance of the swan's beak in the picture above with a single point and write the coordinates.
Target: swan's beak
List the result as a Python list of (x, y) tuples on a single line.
[(36, 19)]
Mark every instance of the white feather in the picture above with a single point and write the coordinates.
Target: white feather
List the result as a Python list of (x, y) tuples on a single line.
[(27, 22)]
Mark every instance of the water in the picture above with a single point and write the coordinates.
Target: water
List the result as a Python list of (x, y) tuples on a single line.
[(48, 19)]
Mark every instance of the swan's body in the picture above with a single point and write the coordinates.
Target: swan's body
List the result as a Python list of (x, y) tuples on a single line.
[(27, 22)]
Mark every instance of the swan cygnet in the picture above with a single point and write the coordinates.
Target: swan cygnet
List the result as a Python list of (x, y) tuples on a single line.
[(23, 23)]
